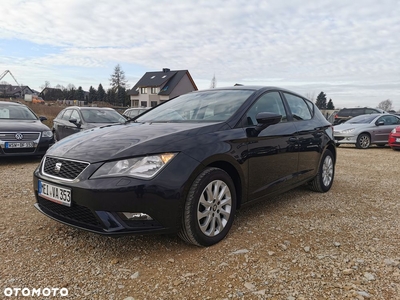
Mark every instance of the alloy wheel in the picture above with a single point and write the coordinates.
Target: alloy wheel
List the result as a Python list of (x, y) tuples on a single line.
[(214, 208)]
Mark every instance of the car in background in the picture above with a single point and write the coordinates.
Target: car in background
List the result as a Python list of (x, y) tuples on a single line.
[(394, 138), (135, 111), (22, 133), (347, 113), (74, 119), (186, 165), (365, 130)]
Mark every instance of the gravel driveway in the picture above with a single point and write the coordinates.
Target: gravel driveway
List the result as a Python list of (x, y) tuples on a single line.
[(302, 245)]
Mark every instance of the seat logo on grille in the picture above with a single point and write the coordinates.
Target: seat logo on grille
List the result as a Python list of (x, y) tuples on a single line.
[(57, 167), (19, 136)]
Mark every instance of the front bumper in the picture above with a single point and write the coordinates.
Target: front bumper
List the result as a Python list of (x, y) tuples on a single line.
[(394, 141), (40, 148), (97, 204), (345, 139)]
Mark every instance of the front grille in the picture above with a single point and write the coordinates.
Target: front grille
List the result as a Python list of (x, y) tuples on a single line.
[(69, 169), (75, 212), (27, 136)]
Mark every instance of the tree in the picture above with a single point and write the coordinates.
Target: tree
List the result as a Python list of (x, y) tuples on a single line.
[(92, 95), (45, 85), (101, 93), (310, 96), (213, 84), (321, 101), (118, 78), (111, 96), (330, 105), (80, 95), (121, 96), (386, 105)]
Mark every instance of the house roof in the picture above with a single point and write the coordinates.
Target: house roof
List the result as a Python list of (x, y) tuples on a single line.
[(166, 78)]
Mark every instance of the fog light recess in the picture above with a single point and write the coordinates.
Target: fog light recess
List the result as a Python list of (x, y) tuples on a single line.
[(136, 216)]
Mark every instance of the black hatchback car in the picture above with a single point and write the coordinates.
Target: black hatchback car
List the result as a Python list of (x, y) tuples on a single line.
[(186, 166), (74, 119), (22, 133)]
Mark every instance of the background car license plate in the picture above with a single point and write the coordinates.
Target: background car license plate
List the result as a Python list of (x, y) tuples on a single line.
[(54, 193), (19, 145), (397, 140)]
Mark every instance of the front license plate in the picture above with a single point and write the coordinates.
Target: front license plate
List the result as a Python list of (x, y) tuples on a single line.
[(54, 193), (19, 145), (397, 140)]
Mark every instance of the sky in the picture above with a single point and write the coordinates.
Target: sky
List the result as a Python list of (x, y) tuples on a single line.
[(350, 50)]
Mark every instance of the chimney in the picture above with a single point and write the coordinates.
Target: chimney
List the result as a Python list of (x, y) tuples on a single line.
[(165, 70)]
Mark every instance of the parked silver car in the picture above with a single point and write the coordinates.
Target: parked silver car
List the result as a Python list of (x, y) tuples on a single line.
[(135, 111), (365, 130)]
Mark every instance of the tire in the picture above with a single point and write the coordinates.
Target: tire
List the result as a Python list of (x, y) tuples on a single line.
[(209, 209), (363, 141), (323, 181)]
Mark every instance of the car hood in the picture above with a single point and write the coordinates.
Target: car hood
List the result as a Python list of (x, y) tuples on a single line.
[(133, 139), (346, 126), (22, 125)]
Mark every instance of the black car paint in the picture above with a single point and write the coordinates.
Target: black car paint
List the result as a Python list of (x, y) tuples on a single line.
[(292, 148)]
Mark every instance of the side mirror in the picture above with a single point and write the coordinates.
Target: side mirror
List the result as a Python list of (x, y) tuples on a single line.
[(264, 120), (42, 119), (75, 122), (379, 123)]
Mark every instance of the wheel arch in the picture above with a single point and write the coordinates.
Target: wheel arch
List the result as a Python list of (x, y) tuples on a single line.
[(234, 174)]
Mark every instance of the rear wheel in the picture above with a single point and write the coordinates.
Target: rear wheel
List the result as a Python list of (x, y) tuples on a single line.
[(326, 172), (209, 209), (363, 141)]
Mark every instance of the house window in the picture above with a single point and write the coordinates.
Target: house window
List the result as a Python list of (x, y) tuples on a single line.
[(154, 90), (135, 103), (143, 90), (143, 103), (153, 103)]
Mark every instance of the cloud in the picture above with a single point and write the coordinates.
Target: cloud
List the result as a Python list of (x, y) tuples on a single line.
[(324, 45)]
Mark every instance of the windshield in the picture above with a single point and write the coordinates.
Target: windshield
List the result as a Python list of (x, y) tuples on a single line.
[(208, 106), (363, 119), (16, 112), (102, 116)]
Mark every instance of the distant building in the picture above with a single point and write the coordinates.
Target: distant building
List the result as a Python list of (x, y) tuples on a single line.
[(14, 91), (156, 87), (51, 94)]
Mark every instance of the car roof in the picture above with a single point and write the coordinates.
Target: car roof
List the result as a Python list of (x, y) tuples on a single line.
[(89, 107), (12, 103)]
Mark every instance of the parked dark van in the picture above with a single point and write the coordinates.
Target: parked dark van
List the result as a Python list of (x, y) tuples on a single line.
[(347, 113)]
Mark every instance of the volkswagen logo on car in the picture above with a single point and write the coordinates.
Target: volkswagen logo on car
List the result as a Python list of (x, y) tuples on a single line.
[(19, 136)]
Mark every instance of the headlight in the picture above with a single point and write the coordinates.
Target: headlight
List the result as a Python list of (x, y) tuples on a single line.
[(142, 167), (348, 130), (394, 130), (47, 134)]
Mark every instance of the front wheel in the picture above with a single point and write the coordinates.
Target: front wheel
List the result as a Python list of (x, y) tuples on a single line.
[(323, 181), (209, 209), (363, 141)]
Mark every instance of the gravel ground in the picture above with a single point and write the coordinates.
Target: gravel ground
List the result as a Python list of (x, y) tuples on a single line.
[(302, 245)]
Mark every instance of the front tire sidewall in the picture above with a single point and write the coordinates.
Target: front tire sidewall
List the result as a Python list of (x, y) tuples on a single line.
[(191, 229), (363, 141)]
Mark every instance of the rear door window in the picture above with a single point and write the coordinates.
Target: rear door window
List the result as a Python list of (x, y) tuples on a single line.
[(299, 108)]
